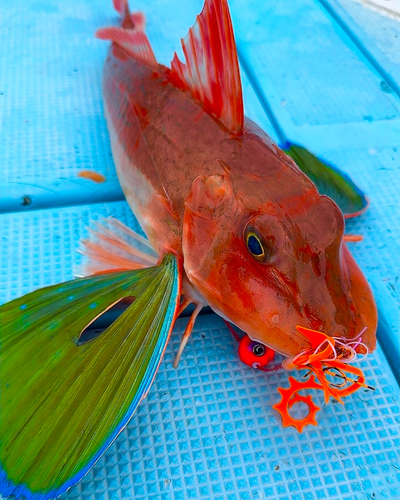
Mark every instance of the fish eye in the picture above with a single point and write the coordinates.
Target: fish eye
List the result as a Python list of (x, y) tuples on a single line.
[(255, 246)]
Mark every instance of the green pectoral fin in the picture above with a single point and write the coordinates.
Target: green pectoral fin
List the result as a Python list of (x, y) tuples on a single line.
[(330, 181), (61, 403)]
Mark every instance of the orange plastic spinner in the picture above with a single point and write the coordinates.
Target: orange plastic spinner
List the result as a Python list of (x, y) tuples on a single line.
[(321, 359), (290, 396)]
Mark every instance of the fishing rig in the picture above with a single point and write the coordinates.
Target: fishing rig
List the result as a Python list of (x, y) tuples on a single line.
[(328, 364)]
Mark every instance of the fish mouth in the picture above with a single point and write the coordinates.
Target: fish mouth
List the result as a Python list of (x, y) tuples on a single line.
[(355, 318), (366, 314), (352, 319), (359, 333)]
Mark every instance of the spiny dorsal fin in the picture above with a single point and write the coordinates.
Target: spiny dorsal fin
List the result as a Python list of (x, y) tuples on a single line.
[(211, 73), (134, 41)]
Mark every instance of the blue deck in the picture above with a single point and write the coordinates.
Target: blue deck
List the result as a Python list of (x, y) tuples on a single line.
[(322, 73)]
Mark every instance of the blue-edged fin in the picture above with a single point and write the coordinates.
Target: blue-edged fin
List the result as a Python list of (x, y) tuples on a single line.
[(62, 402), (330, 181)]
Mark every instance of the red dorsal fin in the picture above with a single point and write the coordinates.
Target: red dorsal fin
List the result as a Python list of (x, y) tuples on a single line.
[(211, 73), (133, 41)]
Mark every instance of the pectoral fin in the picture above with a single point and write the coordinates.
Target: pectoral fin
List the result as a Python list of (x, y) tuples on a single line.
[(63, 403), (330, 181)]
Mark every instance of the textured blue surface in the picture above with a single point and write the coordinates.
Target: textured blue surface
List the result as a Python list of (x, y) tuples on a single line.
[(51, 103), (327, 72), (207, 430)]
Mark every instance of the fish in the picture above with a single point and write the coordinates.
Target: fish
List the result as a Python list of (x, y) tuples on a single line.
[(208, 183), (232, 222)]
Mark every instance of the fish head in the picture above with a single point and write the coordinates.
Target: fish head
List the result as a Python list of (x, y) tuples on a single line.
[(272, 265)]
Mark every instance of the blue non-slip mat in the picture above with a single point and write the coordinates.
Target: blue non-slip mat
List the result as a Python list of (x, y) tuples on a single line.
[(208, 430), (377, 33), (322, 90), (39, 248), (52, 124)]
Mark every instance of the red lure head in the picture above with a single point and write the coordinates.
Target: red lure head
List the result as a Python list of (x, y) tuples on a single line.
[(253, 353)]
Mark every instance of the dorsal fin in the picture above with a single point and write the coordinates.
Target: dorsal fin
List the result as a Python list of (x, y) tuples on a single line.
[(132, 40), (211, 73)]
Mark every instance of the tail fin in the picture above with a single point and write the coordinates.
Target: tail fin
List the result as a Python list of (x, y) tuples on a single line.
[(121, 6), (63, 402), (130, 21), (130, 36)]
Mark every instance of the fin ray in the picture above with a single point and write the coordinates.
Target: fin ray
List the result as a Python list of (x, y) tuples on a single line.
[(74, 400), (114, 246), (134, 41), (211, 73), (330, 181)]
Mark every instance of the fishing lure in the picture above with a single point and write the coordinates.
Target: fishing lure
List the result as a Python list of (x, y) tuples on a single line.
[(231, 222), (328, 357)]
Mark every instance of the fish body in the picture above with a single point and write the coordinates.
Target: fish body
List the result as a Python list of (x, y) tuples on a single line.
[(198, 186)]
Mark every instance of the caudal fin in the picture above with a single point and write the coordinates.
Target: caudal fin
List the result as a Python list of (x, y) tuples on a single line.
[(135, 20), (130, 36)]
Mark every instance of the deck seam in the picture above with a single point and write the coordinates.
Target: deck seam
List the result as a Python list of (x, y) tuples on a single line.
[(349, 32)]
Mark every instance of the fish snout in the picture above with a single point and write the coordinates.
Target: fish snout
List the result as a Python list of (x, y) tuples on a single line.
[(362, 303), (331, 296), (339, 302)]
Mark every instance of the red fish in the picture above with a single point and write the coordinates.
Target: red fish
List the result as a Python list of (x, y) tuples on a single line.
[(235, 225), (258, 243)]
